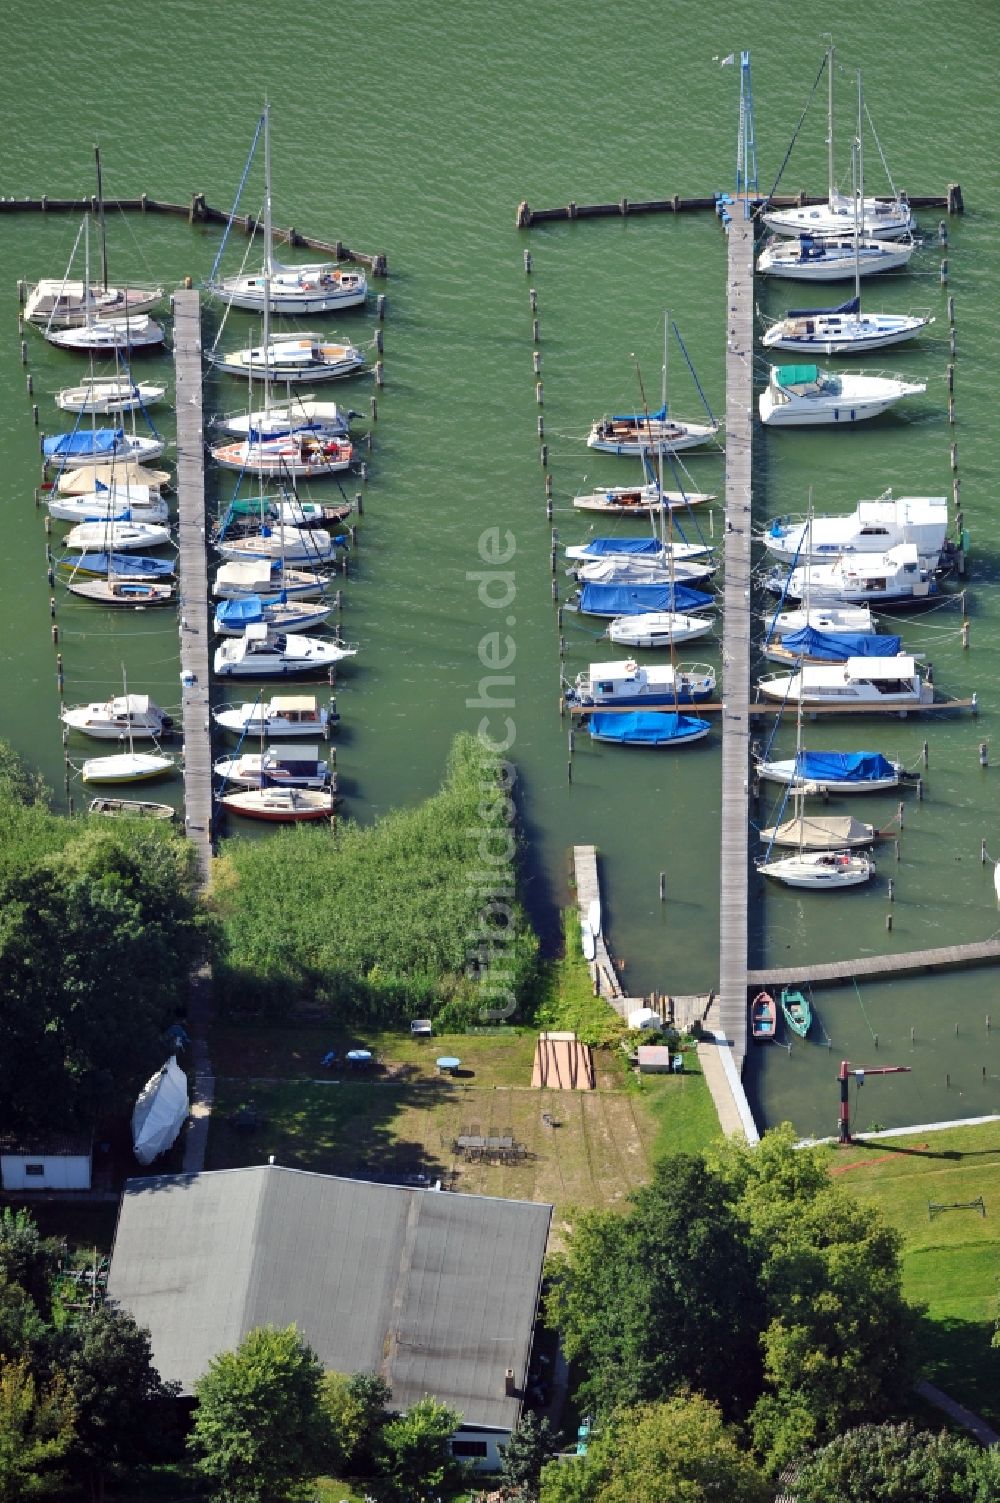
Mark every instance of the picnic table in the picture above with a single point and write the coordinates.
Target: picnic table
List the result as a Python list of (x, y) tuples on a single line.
[(448, 1064), (479, 1146), (360, 1059)]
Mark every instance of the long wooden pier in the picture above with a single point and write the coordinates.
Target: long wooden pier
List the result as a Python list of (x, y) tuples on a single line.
[(882, 967), (736, 628), (602, 967), (193, 565)]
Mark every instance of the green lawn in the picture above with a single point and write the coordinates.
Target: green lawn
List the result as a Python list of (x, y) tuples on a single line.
[(951, 1259)]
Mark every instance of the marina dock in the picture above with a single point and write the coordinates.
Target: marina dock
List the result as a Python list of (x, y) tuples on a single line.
[(602, 967), (881, 967), (736, 631), (193, 567)]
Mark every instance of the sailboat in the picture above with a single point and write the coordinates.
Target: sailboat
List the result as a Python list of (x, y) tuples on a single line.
[(106, 334), (637, 434), (832, 331), (884, 218), (322, 287), (61, 303), (815, 866), (107, 395)]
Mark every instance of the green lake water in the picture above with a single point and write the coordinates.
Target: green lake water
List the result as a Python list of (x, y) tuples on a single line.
[(415, 129)]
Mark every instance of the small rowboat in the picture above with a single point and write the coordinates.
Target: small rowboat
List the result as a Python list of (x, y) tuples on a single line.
[(798, 1013), (130, 808), (763, 1018)]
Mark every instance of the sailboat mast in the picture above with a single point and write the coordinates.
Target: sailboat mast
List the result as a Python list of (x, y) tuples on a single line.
[(829, 127), (100, 220), (859, 200)]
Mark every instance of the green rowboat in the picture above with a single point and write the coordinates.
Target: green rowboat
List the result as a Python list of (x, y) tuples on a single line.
[(798, 1013)]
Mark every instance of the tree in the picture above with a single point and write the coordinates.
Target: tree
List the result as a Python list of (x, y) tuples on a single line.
[(119, 1398), (97, 944), (354, 1409), (415, 1456), (530, 1446), (677, 1452), (26, 1258), (36, 1430), (662, 1297), (892, 1464), (258, 1428), (839, 1345)]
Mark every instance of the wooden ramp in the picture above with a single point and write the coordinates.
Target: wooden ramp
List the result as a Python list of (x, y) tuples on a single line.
[(562, 1063)]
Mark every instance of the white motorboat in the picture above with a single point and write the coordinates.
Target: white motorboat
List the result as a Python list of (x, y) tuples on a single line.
[(872, 527), (261, 653), (301, 455), (267, 579), (856, 618), (638, 500), (108, 336), (288, 417), (633, 685), (883, 217), (895, 578), (281, 805), (119, 504), (123, 715), (323, 287), (844, 330), (126, 767), (282, 715), (809, 259), (797, 395), (107, 395), (831, 772), (116, 537), (294, 358), (277, 766), (232, 617), (305, 545), (658, 629), (820, 870), (881, 683)]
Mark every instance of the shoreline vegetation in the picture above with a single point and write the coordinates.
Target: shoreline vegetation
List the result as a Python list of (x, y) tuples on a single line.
[(415, 916)]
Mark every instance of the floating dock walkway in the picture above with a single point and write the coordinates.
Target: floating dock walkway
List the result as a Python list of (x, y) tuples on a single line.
[(602, 967), (193, 566), (736, 631), (881, 967)]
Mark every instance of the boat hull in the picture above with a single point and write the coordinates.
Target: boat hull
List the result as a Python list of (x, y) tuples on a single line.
[(820, 875), (847, 337), (280, 805), (127, 768), (658, 629)]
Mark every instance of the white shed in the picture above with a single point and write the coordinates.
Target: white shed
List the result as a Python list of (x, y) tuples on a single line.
[(45, 1163)]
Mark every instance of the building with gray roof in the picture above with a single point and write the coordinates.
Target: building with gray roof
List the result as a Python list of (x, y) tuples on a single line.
[(435, 1291)]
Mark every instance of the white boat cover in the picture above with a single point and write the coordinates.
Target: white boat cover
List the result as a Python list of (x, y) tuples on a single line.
[(123, 472), (645, 1017), (821, 832), (160, 1112)]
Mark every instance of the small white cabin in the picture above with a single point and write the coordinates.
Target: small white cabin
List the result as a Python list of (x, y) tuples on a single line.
[(45, 1163)]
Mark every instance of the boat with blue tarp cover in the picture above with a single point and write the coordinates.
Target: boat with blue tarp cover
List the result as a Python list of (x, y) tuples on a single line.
[(644, 548), (647, 728), (812, 646), (635, 600), (99, 446), (836, 772), (232, 617), (123, 565)]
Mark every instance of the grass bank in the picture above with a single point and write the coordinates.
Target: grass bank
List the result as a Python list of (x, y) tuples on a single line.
[(951, 1258)]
